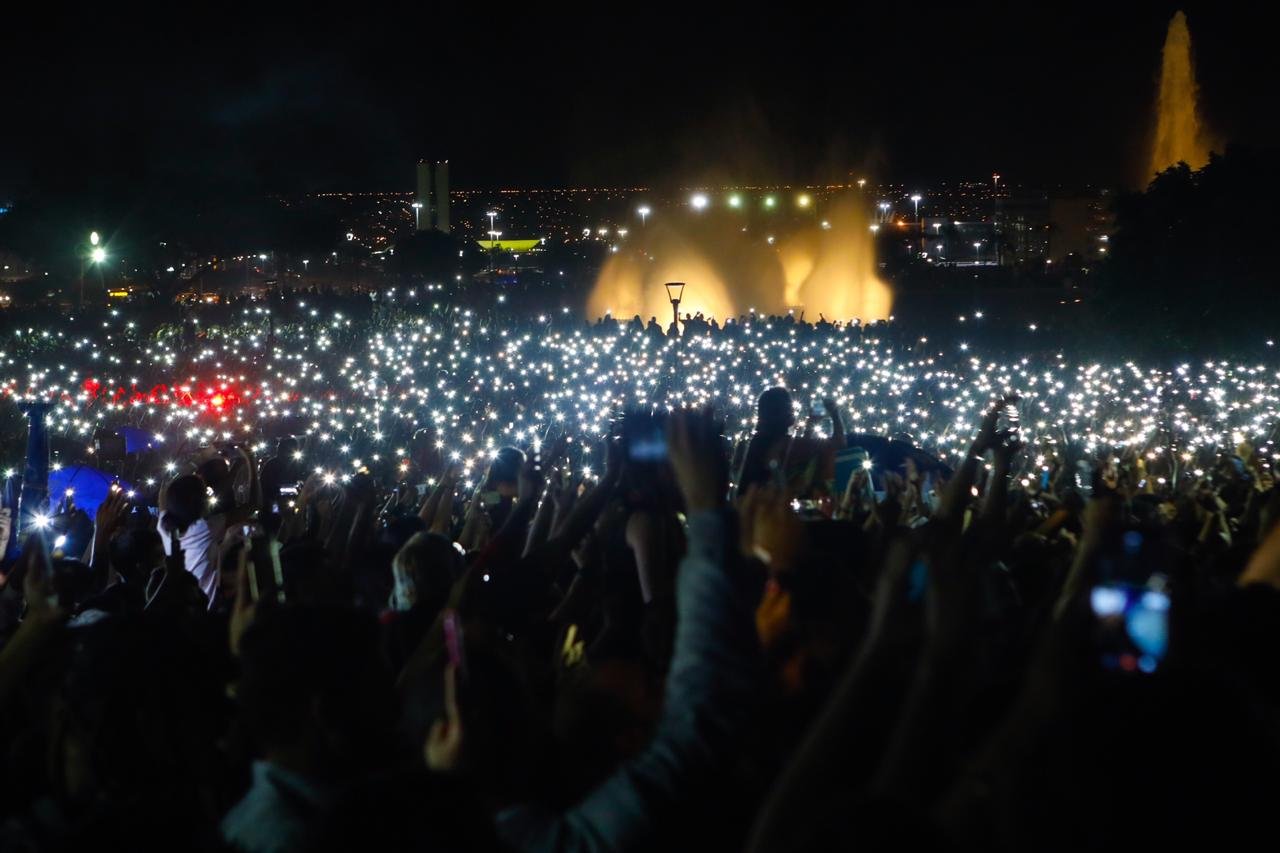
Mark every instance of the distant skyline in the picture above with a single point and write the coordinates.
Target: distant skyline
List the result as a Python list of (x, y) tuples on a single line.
[(250, 104)]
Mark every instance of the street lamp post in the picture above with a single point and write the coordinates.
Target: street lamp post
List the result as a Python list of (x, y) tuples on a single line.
[(417, 212), (97, 254), (675, 292), (644, 212), (915, 200), (977, 253), (493, 246)]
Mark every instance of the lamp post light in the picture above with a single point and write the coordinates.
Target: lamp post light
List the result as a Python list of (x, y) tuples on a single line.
[(915, 199), (417, 211), (675, 292), (97, 254), (862, 183), (644, 212), (493, 246), (884, 210), (493, 214), (977, 252), (698, 201)]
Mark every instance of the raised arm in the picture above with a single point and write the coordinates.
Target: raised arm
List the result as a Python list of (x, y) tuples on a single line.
[(713, 678)]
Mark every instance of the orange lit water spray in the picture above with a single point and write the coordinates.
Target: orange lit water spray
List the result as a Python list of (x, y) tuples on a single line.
[(825, 266), (1180, 135)]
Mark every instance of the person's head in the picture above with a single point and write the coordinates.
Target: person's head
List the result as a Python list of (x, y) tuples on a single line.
[(315, 691), (774, 413), (137, 714), (286, 447), (134, 553), (424, 570), (184, 503), (505, 470)]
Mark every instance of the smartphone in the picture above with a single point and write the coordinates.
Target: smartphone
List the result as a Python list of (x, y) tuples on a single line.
[(645, 437), (1131, 626), (266, 581), (1009, 422), (453, 641)]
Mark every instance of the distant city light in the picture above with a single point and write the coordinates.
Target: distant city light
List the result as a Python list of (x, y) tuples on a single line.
[(698, 201)]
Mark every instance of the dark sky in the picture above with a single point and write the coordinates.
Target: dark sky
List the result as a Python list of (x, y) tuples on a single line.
[(1044, 92)]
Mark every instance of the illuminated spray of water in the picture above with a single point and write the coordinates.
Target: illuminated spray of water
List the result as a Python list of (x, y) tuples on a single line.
[(823, 269), (1179, 136)]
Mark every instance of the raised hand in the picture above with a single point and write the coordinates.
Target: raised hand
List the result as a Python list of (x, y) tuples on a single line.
[(245, 607), (533, 471), (37, 578), (110, 515), (695, 449), (988, 438)]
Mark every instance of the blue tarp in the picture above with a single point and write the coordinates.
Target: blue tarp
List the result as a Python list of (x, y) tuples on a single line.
[(91, 486)]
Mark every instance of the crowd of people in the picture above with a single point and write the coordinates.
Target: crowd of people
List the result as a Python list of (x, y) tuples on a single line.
[(440, 579)]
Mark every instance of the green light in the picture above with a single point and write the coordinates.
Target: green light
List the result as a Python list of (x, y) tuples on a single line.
[(770, 201), (735, 200)]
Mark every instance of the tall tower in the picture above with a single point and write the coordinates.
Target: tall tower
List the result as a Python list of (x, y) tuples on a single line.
[(423, 197), (442, 196)]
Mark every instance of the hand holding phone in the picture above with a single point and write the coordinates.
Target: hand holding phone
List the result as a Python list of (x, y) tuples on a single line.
[(1132, 626)]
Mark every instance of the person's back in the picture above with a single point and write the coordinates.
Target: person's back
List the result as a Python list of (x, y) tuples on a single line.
[(319, 702), (182, 514)]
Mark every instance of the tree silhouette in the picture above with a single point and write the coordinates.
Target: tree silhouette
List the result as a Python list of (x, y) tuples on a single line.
[(1189, 258)]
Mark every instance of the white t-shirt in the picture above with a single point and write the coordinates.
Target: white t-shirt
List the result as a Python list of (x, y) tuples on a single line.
[(200, 550)]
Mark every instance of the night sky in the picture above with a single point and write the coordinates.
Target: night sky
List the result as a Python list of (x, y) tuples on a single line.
[(1043, 93)]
